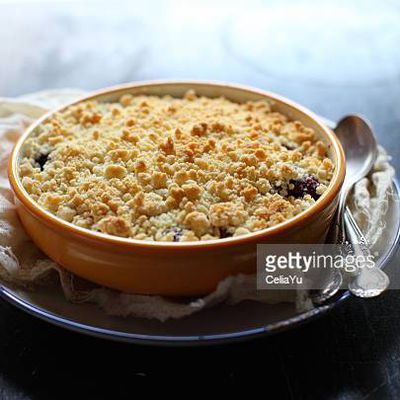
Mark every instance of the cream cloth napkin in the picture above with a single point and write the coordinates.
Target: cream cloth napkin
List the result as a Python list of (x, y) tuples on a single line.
[(22, 263)]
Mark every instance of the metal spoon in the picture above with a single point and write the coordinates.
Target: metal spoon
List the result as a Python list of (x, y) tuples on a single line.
[(361, 150)]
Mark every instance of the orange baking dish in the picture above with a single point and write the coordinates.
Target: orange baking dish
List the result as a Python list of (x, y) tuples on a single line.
[(164, 268)]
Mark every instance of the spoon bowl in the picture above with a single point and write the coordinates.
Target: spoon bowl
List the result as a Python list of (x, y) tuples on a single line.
[(360, 146)]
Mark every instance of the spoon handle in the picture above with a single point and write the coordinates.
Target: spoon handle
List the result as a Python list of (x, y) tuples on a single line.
[(336, 234), (370, 281)]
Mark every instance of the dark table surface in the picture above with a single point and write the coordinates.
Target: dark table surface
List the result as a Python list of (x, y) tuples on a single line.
[(335, 57)]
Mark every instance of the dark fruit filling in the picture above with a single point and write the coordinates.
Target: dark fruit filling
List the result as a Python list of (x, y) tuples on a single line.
[(177, 232), (303, 186), (41, 160), (288, 146), (223, 233)]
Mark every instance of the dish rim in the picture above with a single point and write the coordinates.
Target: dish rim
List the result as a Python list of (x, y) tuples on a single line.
[(298, 220)]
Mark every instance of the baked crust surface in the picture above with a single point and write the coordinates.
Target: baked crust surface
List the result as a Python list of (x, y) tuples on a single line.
[(167, 169)]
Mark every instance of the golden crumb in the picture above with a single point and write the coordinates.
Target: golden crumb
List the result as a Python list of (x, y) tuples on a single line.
[(168, 169)]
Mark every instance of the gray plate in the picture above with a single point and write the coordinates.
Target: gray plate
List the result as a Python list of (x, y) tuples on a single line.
[(220, 324)]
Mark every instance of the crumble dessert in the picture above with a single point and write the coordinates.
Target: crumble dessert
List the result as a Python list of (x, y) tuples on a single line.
[(169, 169)]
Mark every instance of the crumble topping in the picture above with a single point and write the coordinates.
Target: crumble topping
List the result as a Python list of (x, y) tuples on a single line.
[(168, 169)]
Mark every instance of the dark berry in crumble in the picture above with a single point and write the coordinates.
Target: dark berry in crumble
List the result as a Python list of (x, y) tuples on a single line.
[(42, 159), (303, 186), (223, 233), (288, 146), (176, 233)]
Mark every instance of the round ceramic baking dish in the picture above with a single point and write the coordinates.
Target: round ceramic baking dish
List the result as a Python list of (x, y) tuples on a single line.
[(174, 269)]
